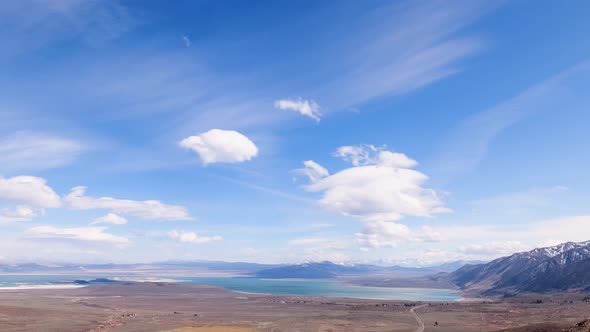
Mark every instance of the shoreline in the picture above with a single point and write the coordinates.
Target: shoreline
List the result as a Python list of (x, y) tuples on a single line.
[(151, 282)]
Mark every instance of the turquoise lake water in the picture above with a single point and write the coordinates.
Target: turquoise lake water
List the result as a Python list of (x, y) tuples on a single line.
[(247, 285)]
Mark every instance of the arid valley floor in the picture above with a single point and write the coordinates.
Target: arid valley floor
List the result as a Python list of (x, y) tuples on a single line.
[(184, 308)]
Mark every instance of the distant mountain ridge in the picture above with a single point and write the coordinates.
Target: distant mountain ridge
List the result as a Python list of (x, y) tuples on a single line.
[(564, 267), (202, 267), (328, 270), (309, 270)]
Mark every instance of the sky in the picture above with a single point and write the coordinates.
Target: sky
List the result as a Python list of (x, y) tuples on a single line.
[(384, 132)]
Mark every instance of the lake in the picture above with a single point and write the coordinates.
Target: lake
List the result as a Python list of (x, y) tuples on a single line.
[(247, 285)]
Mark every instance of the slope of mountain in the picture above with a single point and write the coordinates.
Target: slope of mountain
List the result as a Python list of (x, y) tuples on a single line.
[(559, 268), (452, 266)]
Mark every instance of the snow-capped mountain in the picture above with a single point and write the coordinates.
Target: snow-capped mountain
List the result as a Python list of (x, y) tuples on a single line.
[(559, 268), (559, 249)]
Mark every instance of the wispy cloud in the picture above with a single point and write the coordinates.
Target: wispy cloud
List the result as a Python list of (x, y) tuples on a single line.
[(377, 64), (467, 144), (32, 151), (151, 209), (20, 213), (76, 233), (186, 41), (308, 108), (110, 218), (30, 24), (269, 190)]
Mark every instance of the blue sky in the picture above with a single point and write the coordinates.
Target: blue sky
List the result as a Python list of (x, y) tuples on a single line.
[(394, 132)]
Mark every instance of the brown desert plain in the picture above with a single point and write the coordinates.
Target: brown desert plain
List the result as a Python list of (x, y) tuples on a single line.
[(200, 308)]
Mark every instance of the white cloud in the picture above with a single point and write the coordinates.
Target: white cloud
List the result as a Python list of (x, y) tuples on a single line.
[(77, 233), (26, 150), (357, 155), (151, 209), (533, 234), (367, 154), (192, 237), (307, 108), (377, 188), (380, 234), (313, 171), (559, 230), (29, 190), (20, 213), (110, 218), (221, 146), (494, 249)]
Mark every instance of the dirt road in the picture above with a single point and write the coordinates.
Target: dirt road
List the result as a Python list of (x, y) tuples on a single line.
[(418, 319)]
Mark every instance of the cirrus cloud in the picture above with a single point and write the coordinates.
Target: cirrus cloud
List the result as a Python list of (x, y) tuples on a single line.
[(221, 146), (26, 150)]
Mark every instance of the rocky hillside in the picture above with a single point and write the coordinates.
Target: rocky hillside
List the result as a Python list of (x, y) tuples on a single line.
[(583, 326), (564, 267)]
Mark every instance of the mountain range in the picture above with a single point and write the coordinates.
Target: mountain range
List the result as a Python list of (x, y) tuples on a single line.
[(310, 270), (327, 270), (564, 267)]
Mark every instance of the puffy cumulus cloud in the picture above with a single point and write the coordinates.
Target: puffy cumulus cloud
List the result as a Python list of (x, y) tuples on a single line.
[(192, 237), (221, 146), (25, 150), (20, 213), (150, 209), (110, 218), (30, 190), (77, 233), (379, 187), (380, 234), (313, 171), (307, 108)]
